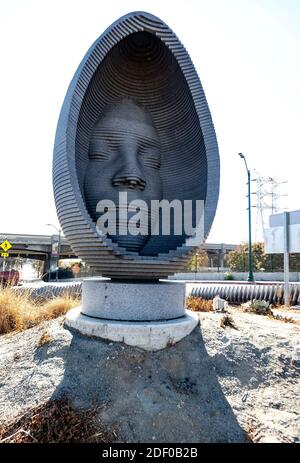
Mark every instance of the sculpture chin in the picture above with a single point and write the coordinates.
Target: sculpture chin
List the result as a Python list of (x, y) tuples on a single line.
[(130, 242), (133, 228)]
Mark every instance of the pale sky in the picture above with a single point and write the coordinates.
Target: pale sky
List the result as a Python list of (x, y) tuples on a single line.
[(246, 53)]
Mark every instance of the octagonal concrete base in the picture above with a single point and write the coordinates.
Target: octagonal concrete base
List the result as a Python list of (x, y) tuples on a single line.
[(150, 336)]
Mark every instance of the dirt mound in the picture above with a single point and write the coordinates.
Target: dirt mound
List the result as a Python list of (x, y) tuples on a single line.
[(216, 385)]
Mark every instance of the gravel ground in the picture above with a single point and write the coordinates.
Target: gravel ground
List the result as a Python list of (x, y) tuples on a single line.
[(216, 385)]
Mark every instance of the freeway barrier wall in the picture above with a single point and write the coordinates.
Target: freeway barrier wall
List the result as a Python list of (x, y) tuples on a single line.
[(238, 276), (233, 292), (239, 293)]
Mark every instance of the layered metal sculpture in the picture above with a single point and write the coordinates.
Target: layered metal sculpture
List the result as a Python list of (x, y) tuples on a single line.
[(135, 120)]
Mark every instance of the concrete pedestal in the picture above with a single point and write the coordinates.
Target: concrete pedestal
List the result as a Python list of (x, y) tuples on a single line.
[(150, 336), (133, 301), (151, 316)]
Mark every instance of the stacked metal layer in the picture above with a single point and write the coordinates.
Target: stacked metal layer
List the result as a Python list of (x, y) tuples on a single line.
[(137, 56)]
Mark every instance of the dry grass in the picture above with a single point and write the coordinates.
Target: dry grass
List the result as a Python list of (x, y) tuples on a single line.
[(268, 311), (251, 431), (19, 312), (283, 319), (58, 306), (197, 304), (57, 421), (44, 339), (227, 321)]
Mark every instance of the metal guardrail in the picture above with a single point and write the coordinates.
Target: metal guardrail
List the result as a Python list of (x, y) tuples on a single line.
[(49, 290)]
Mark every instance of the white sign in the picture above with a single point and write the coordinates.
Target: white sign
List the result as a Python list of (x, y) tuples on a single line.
[(274, 239), (283, 237)]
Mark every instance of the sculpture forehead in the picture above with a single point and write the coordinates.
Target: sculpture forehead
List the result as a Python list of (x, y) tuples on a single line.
[(108, 128), (127, 108), (127, 116)]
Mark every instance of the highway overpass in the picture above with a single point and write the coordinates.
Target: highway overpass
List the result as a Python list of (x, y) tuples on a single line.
[(39, 247)]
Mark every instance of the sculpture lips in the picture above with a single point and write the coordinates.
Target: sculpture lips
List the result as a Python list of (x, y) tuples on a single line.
[(130, 182)]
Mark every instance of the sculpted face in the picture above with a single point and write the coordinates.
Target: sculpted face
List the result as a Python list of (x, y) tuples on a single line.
[(124, 156)]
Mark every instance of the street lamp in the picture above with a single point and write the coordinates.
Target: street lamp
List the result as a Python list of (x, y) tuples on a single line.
[(250, 267), (59, 242)]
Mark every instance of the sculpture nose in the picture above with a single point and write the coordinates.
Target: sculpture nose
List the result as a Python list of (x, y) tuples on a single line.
[(130, 174)]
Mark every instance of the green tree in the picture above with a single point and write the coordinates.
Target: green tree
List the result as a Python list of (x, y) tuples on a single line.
[(198, 261), (237, 260)]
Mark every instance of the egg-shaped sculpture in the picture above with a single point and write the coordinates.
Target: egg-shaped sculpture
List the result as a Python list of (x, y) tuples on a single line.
[(134, 121)]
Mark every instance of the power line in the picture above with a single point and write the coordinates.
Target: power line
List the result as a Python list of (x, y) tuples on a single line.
[(268, 200)]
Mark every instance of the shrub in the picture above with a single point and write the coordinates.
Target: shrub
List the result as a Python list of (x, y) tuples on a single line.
[(258, 307), (228, 276)]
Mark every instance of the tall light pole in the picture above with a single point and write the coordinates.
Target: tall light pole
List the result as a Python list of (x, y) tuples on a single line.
[(59, 242), (250, 262)]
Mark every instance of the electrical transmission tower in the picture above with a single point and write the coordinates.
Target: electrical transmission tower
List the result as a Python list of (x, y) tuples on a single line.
[(268, 201)]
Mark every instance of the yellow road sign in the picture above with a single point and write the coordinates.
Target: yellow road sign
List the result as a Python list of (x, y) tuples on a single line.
[(4, 254), (5, 245)]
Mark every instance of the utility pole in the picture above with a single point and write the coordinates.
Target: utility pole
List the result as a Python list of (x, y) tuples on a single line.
[(58, 247), (250, 262), (286, 258)]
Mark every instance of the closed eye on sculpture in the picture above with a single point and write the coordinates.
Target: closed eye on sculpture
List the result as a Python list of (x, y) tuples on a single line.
[(99, 150), (150, 157)]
